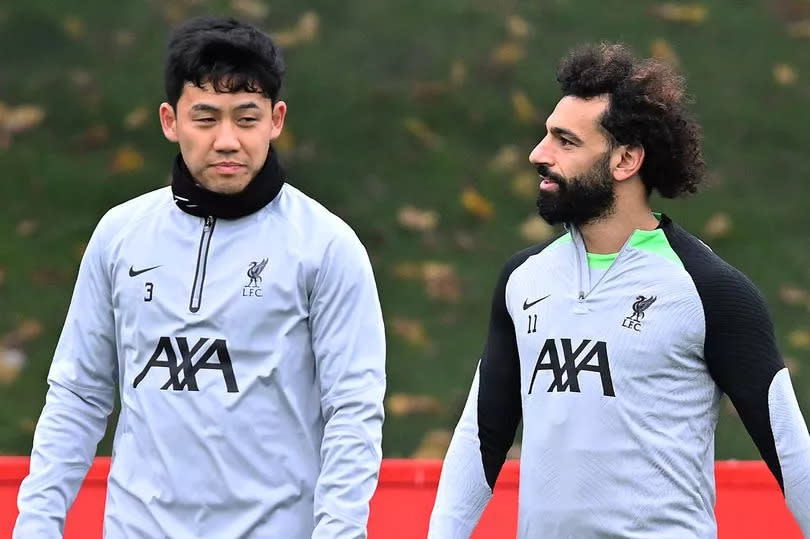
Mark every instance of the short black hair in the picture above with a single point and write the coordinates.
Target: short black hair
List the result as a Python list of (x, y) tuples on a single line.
[(647, 108), (230, 55)]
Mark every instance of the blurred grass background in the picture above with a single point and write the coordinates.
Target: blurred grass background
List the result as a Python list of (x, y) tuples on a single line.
[(413, 121)]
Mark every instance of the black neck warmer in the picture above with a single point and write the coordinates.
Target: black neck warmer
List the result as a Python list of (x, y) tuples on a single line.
[(194, 199)]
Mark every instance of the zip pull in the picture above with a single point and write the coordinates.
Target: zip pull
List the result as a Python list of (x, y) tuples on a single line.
[(581, 295), (202, 261)]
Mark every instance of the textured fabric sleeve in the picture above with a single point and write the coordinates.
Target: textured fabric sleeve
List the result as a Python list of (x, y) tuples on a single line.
[(486, 429), (79, 400), (349, 345), (742, 357)]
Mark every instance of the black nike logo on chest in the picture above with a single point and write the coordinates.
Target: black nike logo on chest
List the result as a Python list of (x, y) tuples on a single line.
[(526, 303), (133, 272)]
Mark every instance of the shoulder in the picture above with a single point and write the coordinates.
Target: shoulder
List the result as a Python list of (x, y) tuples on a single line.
[(319, 234), (133, 211), (723, 289), (310, 219), (122, 218), (530, 254)]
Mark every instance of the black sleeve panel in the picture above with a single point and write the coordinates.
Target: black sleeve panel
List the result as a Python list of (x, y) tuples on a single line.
[(739, 349), (499, 403)]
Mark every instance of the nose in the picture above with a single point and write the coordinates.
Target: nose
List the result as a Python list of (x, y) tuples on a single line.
[(226, 140), (541, 154)]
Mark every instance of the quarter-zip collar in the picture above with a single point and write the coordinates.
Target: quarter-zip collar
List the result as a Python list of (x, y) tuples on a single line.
[(584, 285), (194, 199)]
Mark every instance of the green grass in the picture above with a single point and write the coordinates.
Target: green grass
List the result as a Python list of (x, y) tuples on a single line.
[(349, 92)]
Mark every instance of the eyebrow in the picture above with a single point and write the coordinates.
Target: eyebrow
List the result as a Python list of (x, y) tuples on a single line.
[(561, 131), (205, 107)]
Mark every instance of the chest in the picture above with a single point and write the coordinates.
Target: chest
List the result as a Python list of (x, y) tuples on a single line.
[(624, 332)]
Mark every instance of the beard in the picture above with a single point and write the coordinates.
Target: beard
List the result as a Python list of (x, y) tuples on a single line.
[(581, 199)]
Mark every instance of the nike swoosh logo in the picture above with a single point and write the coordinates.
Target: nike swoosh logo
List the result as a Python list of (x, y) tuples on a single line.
[(133, 272), (526, 303)]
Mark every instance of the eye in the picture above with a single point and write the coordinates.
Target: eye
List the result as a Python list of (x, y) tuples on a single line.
[(248, 120), (565, 142), (206, 121)]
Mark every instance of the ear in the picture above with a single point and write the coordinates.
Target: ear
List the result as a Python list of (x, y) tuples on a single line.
[(627, 161), (168, 121), (279, 113)]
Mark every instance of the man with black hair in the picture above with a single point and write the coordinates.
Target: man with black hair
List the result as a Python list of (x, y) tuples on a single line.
[(239, 320), (615, 341)]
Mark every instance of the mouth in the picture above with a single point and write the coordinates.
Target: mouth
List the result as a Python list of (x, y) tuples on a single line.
[(228, 167), (548, 184)]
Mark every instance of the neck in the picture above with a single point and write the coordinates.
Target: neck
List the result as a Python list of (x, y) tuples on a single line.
[(609, 234)]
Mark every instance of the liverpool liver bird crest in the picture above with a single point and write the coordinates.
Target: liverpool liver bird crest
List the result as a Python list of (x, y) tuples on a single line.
[(255, 272), (641, 304)]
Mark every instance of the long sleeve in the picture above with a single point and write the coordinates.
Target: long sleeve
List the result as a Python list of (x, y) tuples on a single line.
[(79, 400), (349, 345), (486, 429), (742, 357)]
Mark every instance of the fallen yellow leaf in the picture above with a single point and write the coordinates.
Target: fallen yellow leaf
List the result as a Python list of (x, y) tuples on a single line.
[(285, 142), (27, 425), (136, 118), (408, 271), (27, 227), (508, 54), (127, 159), (793, 295), (413, 218), (255, 9), (458, 73), (401, 404), (660, 49), (525, 184), (74, 27), (784, 74), (718, 226), (800, 29), (442, 282), (11, 363), (433, 445), (506, 159), (124, 38), (678, 12), (412, 331), (24, 117), (420, 130), (800, 339), (305, 30), (27, 330), (476, 204), (517, 26), (523, 107), (536, 230)]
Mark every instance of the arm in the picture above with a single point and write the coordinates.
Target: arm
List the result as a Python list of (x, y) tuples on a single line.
[(349, 345), (79, 400), (485, 431), (743, 359)]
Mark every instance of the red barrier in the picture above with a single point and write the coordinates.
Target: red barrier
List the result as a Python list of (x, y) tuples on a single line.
[(749, 502)]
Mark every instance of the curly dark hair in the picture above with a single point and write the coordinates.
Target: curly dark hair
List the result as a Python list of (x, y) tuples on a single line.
[(230, 55), (647, 108)]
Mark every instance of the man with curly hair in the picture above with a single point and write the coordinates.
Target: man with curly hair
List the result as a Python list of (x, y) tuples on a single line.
[(615, 341)]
